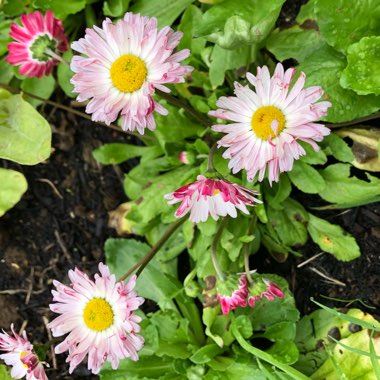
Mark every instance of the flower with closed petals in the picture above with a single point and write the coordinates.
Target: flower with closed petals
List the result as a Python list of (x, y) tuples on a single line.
[(232, 292), (211, 197), (122, 65), (98, 316), (269, 123), (263, 288), (20, 355), (39, 41)]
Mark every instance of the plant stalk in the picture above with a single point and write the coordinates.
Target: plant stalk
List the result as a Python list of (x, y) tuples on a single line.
[(143, 262), (375, 115), (214, 257), (251, 229)]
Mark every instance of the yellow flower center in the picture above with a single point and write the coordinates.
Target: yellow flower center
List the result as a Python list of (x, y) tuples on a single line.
[(267, 122), (128, 73), (23, 353), (216, 192), (98, 314)]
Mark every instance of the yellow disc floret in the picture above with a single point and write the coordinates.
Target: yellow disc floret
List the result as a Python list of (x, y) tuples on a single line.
[(23, 353), (262, 122), (98, 314), (128, 73)]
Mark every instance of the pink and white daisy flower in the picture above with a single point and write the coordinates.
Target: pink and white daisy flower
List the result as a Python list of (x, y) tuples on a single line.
[(263, 288), (232, 293), (123, 64), (269, 123), (213, 197), (40, 40), (99, 317), (21, 357)]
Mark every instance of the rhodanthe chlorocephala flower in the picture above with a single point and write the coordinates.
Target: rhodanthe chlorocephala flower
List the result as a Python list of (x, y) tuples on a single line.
[(98, 316), (211, 197), (269, 123), (39, 41), (121, 66), (20, 355)]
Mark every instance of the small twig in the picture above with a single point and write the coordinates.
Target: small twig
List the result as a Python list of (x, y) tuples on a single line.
[(51, 184), (310, 259), (53, 357), (30, 288), (17, 291), (329, 279), (375, 115), (62, 245), (23, 326)]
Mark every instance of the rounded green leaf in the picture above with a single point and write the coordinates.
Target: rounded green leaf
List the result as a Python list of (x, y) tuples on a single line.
[(12, 186), (25, 135), (323, 68), (344, 22), (362, 73), (306, 178), (42, 87)]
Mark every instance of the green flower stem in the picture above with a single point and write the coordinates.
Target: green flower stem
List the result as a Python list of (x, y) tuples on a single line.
[(214, 257), (210, 161), (73, 111), (247, 246), (296, 375), (143, 262), (202, 119), (375, 115), (190, 311), (56, 56)]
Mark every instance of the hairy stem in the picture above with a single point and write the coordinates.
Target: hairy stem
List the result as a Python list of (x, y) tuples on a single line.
[(143, 262), (214, 257), (202, 119), (210, 161), (251, 230)]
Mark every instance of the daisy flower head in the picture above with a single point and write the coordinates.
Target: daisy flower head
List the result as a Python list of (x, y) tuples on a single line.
[(232, 292), (39, 41), (211, 197), (269, 123), (98, 316), (122, 65), (20, 355), (263, 288)]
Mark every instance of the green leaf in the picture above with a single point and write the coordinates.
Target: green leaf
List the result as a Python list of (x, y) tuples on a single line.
[(348, 357), (42, 87), (232, 24), (4, 373), (12, 186), (290, 223), (223, 60), (362, 73), (25, 136), (205, 354), (284, 351), (345, 190), (306, 12), (166, 11), (339, 148), (153, 283), (312, 157), (282, 330), (14, 7), (150, 367), (323, 68), (187, 26), (333, 239), (115, 8), (60, 8), (6, 71), (116, 153), (4, 35), (344, 22), (64, 74), (294, 43), (306, 178)]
